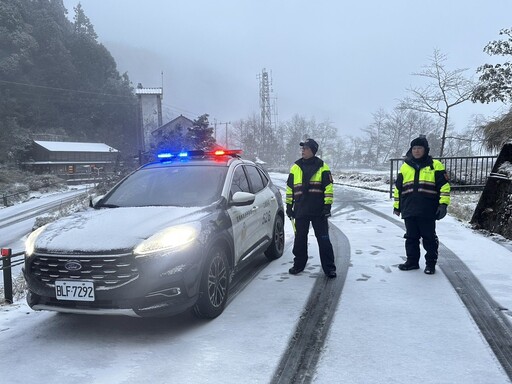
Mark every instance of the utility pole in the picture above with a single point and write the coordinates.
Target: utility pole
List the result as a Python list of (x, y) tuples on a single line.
[(226, 142)]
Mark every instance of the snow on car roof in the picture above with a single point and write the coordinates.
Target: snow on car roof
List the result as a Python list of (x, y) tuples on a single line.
[(70, 146)]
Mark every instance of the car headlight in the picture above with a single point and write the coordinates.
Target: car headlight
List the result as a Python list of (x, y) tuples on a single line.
[(169, 239), (30, 243)]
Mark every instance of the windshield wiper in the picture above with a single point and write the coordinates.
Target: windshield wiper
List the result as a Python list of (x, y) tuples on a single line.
[(107, 206)]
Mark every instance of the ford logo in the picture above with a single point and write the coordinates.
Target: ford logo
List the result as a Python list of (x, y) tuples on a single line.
[(73, 266)]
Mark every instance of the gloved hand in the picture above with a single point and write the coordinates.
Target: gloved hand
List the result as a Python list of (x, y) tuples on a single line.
[(326, 211), (396, 212), (441, 211), (289, 211)]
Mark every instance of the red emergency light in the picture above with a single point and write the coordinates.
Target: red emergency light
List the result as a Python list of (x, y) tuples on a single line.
[(6, 252), (226, 152)]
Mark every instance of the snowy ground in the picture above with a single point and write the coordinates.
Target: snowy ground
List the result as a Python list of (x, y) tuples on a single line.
[(389, 321), (390, 326)]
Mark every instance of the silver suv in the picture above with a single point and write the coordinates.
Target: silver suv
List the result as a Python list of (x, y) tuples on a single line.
[(168, 237)]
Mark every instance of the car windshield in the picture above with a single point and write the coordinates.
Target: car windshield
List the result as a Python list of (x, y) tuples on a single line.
[(184, 186)]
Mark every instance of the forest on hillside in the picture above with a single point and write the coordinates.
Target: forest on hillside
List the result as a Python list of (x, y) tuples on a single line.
[(57, 82)]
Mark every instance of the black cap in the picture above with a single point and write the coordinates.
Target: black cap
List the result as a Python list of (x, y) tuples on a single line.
[(311, 144), (420, 142)]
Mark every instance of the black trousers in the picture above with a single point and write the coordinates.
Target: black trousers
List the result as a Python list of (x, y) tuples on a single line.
[(300, 245), (424, 228)]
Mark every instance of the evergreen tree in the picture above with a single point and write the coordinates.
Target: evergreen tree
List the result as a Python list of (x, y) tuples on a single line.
[(173, 141), (82, 23), (200, 134)]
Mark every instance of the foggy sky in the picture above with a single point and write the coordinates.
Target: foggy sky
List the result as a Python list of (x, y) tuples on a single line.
[(332, 60)]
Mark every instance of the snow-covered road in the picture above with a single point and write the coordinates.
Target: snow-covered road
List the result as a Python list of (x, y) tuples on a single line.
[(389, 327)]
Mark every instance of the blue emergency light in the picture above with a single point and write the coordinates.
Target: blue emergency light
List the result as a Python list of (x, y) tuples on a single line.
[(165, 155)]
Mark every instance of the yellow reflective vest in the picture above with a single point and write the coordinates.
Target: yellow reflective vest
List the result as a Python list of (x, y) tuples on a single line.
[(308, 197), (420, 187)]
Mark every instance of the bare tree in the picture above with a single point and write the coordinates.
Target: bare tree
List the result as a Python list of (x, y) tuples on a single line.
[(325, 133), (245, 135), (339, 154), (445, 90), (373, 137)]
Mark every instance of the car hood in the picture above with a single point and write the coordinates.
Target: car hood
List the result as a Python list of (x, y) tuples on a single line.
[(112, 229)]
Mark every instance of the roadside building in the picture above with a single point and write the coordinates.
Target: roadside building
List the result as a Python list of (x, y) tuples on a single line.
[(75, 161), (180, 123)]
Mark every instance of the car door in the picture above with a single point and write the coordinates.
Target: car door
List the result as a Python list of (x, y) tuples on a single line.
[(271, 204), (242, 217), (262, 204)]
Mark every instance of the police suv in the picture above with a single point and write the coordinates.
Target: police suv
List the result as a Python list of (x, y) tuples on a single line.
[(168, 237)]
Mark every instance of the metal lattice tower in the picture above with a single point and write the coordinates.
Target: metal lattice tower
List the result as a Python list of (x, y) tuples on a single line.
[(266, 112), (267, 109)]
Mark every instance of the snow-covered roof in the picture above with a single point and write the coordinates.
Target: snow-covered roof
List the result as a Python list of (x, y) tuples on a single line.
[(149, 91), (70, 146)]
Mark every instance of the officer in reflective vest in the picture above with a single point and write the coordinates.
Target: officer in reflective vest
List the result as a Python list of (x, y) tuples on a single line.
[(309, 196), (421, 196)]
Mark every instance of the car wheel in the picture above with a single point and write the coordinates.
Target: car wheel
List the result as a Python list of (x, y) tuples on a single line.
[(214, 285), (275, 249)]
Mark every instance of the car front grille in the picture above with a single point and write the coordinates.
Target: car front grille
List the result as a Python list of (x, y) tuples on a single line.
[(107, 271)]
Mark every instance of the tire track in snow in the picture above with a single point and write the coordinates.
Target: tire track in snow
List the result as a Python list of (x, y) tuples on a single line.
[(297, 365), (487, 314)]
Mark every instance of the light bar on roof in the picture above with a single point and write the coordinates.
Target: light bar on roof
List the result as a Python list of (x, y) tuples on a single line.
[(166, 156)]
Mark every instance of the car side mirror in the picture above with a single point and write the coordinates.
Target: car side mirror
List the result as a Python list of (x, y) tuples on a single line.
[(94, 202), (240, 199)]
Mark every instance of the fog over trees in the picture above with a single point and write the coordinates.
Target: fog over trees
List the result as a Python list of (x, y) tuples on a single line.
[(58, 82)]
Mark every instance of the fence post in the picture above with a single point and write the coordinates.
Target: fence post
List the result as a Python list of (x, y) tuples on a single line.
[(391, 180), (5, 200), (6, 265)]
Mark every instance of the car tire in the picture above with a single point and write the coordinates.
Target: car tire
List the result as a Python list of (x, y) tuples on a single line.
[(214, 286), (276, 247)]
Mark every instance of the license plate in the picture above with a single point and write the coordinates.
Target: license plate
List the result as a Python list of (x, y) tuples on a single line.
[(74, 290)]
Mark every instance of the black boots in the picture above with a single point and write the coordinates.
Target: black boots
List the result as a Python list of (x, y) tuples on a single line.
[(331, 274), (408, 266), (294, 271)]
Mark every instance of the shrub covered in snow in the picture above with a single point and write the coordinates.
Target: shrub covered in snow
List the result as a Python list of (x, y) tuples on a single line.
[(16, 186)]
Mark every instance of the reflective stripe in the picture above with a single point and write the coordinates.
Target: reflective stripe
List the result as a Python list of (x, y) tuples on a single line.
[(427, 191)]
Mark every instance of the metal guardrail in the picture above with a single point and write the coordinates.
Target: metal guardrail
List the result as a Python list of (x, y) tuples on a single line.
[(5, 197), (9, 260), (468, 173)]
